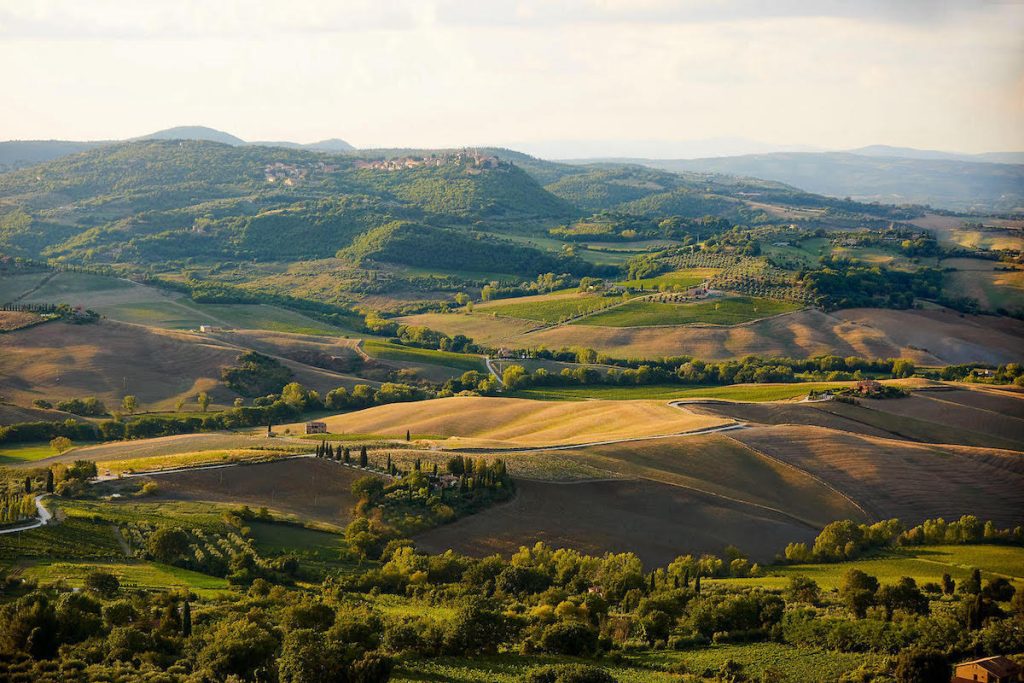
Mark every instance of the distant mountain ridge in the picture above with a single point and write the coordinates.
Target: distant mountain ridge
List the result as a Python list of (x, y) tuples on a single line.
[(15, 154), (872, 175)]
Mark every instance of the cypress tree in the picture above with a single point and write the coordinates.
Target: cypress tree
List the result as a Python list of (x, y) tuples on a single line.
[(652, 582), (186, 619), (435, 469), (49, 481), (363, 459), (408, 436), (388, 466), (696, 584), (418, 465), (28, 484), (348, 456), (686, 578)]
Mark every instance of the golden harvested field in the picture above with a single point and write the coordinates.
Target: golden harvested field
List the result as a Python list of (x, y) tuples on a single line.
[(476, 421), (955, 410), (927, 337), (716, 464), (954, 416), (656, 521), (171, 446), (109, 359), (15, 320), (893, 478)]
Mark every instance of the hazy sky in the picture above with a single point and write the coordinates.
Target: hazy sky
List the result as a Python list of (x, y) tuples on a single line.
[(536, 74)]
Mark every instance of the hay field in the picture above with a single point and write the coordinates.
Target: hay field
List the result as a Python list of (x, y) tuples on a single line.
[(716, 464), (926, 337), (15, 320), (656, 521), (477, 421), (109, 359), (954, 410), (170, 446), (926, 416), (893, 478)]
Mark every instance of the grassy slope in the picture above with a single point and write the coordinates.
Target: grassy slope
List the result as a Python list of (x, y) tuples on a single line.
[(511, 421), (388, 351), (923, 564), (730, 311)]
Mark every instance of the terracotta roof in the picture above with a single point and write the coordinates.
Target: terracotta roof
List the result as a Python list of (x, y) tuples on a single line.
[(998, 665)]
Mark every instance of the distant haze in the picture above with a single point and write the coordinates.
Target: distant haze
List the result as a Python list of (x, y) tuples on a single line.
[(558, 78)]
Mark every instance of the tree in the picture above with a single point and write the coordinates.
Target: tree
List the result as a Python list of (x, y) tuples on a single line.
[(49, 481), (514, 376), (28, 484), (408, 436), (903, 595), (972, 586), (922, 666), (203, 399), (803, 589), (948, 584), (294, 394), (168, 544), (363, 458), (857, 591), (129, 404), (903, 368), (368, 488), (102, 583), (60, 444), (347, 455), (569, 638), (186, 619)]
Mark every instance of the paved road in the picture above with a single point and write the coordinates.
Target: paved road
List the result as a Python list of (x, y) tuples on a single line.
[(43, 518)]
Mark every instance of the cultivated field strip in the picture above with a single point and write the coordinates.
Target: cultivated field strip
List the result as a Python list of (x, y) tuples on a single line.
[(891, 478)]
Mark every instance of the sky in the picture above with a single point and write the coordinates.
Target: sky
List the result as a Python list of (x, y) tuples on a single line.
[(559, 78)]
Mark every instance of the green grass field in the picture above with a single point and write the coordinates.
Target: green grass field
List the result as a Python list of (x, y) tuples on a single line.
[(791, 664), (923, 564), (132, 575), (551, 310), (18, 453), (688, 277), (729, 311), (735, 392), (388, 351)]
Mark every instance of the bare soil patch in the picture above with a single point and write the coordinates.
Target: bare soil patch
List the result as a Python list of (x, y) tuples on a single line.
[(309, 488), (656, 521)]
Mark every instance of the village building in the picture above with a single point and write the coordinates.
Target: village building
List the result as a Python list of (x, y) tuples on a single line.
[(997, 669), (868, 386), (316, 427)]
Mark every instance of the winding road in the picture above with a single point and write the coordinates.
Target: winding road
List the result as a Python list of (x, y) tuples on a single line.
[(43, 518)]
